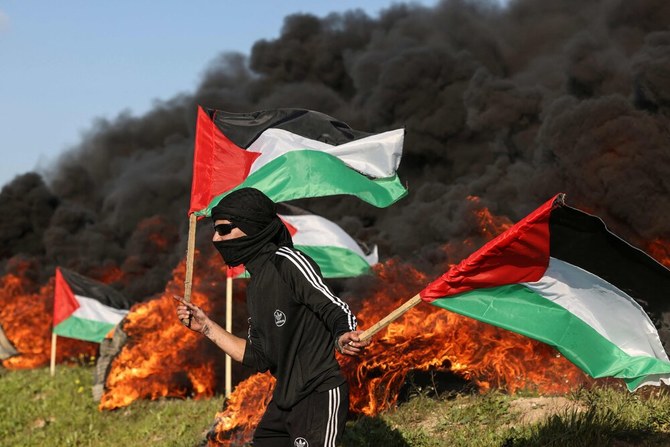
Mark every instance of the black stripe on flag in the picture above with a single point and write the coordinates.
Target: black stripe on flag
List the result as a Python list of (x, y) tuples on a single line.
[(583, 240), (286, 209), (244, 128), (90, 288)]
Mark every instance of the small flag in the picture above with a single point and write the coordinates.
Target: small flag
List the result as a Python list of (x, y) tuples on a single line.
[(86, 309), (561, 277), (290, 154), (333, 249)]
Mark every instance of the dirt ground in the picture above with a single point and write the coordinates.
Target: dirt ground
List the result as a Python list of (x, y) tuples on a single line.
[(534, 409)]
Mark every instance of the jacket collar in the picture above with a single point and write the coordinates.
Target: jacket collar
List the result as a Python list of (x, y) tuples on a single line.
[(255, 264)]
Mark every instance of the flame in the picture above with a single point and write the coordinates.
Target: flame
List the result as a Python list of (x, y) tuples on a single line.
[(162, 357), (107, 274), (428, 338), (659, 249), (26, 316), (424, 339), (235, 425), (489, 225)]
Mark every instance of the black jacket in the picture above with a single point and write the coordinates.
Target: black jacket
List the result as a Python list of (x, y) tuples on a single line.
[(294, 320)]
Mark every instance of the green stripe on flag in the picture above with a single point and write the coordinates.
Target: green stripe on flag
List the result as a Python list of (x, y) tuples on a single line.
[(336, 262), (83, 329), (519, 309), (302, 174)]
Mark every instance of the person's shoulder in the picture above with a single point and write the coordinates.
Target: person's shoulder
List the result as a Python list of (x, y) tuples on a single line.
[(290, 261)]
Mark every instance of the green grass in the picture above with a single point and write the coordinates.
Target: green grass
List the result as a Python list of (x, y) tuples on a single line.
[(38, 410), (598, 417)]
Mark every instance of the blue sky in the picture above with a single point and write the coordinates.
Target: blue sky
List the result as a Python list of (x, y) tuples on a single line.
[(64, 63)]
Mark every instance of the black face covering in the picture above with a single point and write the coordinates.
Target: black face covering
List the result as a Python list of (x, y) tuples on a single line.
[(254, 213)]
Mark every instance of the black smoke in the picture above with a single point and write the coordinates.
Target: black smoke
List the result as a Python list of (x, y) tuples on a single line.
[(511, 104)]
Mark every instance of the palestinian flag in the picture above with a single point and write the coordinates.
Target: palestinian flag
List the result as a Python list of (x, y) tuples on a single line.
[(290, 154), (560, 277), (336, 252), (86, 309)]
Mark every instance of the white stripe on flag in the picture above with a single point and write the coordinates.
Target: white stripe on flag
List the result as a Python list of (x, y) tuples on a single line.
[(316, 281), (608, 310), (317, 231), (92, 309), (376, 156)]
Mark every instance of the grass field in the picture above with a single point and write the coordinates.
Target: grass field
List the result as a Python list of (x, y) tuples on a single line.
[(38, 410)]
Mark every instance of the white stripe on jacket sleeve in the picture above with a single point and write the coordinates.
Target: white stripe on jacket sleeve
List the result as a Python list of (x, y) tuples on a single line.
[(317, 281)]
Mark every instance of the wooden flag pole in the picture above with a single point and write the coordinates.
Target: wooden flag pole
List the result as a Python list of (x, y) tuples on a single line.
[(390, 318), (229, 328), (190, 254), (52, 367)]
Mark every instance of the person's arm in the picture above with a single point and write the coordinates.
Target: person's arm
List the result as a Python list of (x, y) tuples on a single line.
[(195, 319), (304, 277)]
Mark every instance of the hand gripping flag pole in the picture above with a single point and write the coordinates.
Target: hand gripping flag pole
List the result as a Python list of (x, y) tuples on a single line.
[(188, 288)]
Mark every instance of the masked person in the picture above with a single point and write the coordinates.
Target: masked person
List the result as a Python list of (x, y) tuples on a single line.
[(294, 325)]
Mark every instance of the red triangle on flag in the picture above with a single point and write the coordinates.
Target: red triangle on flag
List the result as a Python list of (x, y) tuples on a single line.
[(291, 229), (218, 164), (64, 301)]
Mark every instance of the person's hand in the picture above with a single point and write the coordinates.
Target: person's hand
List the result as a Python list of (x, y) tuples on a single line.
[(350, 343), (191, 315)]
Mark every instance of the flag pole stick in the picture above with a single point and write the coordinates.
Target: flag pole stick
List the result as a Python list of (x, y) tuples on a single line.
[(390, 318), (190, 254), (52, 364), (229, 328)]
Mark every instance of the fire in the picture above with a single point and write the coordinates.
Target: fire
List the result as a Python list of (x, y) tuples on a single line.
[(244, 408), (162, 357), (107, 274), (427, 338), (26, 315), (489, 225), (424, 339), (659, 249)]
